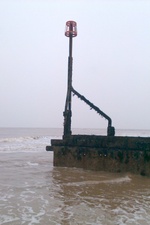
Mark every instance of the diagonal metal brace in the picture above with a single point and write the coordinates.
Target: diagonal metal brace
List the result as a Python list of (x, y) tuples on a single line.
[(110, 129)]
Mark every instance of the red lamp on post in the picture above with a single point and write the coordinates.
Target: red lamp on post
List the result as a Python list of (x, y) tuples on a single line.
[(71, 29)]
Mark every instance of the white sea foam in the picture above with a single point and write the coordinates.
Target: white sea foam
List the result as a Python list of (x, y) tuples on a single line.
[(30, 216), (8, 219), (32, 164), (23, 144), (93, 182)]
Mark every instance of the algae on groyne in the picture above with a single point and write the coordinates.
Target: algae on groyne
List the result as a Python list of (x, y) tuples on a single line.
[(112, 154)]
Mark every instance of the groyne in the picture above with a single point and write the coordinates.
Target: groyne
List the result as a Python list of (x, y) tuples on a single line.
[(103, 153)]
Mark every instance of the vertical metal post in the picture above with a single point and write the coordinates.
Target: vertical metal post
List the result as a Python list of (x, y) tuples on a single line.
[(68, 112), (70, 32)]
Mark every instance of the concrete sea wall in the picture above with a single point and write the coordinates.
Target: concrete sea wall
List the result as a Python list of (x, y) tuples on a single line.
[(113, 154)]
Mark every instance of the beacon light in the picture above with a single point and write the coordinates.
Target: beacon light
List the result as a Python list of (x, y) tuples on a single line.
[(71, 29)]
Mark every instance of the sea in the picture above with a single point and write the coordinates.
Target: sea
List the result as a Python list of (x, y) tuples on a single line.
[(33, 191)]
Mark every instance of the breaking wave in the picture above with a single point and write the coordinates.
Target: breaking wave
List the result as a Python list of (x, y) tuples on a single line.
[(24, 144)]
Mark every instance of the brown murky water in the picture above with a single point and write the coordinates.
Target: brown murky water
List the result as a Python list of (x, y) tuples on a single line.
[(32, 191)]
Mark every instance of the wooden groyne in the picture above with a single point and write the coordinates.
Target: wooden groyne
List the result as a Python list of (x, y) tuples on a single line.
[(103, 153)]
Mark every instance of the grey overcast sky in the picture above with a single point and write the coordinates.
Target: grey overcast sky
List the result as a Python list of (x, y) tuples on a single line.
[(111, 62)]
